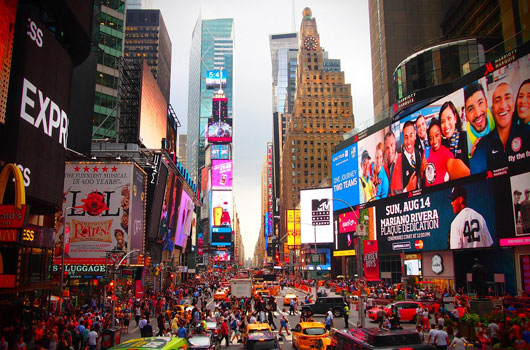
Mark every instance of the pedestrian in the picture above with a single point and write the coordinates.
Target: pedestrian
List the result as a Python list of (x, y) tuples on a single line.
[(161, 324), (441, 338), (329, 321), (380, 316), (459, 342), (346, 314), (181, 332), (431, 336), (3, 343), (271, 317), (148, 330), (141, 325), (92, 339), (224, 332), (21, 345), (283, 323)]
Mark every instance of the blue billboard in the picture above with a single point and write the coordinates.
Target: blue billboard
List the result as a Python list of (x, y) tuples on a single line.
[(345, 173), (215, 79)]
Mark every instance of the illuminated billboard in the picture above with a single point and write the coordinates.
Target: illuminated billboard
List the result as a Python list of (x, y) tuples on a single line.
[(185, 218), (221, 255), (153, 111), (219, 131), (219, 108), (222, 174), (316, 207), (221, 209), (221, 235), (290, 228), (215, 79), (8, 8), (104, 210), (220, 152)]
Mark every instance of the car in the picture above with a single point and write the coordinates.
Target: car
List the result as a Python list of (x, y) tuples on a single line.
[(407, 310), (322, 306), (182, 309), (255, 328), (377, 339), (306, 335), (203, 342), (261, 341), (288, 297), (164, 343), (220, 295)]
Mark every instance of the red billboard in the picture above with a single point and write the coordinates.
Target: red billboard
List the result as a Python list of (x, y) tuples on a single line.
[(370, 260)]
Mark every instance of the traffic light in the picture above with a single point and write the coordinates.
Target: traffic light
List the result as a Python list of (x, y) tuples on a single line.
[(172, 276), (111, 285), (140, 260), (96, 281), (148, 261)]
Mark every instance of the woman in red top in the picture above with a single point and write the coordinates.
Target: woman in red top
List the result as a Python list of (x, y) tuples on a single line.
[(438, 163)]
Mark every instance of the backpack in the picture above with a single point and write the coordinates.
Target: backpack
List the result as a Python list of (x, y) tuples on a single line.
[(233, 325)]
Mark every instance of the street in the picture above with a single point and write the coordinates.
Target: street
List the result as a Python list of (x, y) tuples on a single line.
[(285, 341)]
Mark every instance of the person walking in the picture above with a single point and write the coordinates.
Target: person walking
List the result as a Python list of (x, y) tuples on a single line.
[(346, 314), (92, 339), (271, 317), (225, 331), (283, 323), (441, 339)]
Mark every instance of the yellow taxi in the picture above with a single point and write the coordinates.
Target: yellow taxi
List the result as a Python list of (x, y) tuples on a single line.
[(182, 309), (310, 336), (256, 327), (220, 294), (288, 297)]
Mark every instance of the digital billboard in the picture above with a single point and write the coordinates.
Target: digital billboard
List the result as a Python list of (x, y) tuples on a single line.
[(153, 111), (103, 209), (221, 235), (8, 8), (520, 191), (219, 108), (137, 216), (220, 152), (316, 212), (454, 218), (215, 79), (219, 131), (185, 218), (221, 255), (290, 227), (221, 209), (157, 178), (360, 223), (479, 128), (221, 174), (35, 133)]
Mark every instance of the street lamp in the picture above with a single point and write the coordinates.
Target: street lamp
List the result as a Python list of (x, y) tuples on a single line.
[(62, 259), (359, 266)]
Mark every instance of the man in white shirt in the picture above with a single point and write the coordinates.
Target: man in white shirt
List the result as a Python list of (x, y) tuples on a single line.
[(92, 339), (441, 338), (431, 337), (411, 159)]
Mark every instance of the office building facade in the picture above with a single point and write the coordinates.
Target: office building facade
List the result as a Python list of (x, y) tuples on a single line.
[(211, 49)]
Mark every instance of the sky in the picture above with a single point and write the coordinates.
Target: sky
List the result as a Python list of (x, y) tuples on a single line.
[(344, 32)]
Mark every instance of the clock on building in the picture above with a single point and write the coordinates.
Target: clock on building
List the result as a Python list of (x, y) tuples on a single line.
[(310, 43)]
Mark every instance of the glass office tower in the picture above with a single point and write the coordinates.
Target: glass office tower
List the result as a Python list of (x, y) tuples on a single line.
[(211, 49)]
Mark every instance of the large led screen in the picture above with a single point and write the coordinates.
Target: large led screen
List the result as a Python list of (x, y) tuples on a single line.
[(221, 209), (8, 8), (221, 235), (480, 128), (219, 131), (153, 111), (222, 174), (221, 255), (215, 79), (185, 217), (219, 152), (316, 215)]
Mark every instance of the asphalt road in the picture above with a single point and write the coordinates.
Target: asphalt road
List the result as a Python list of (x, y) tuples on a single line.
[(286, 340)]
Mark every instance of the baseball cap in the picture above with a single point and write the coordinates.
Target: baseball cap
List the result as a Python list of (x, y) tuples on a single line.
[(457, 192), (365, 156), (517, 192)]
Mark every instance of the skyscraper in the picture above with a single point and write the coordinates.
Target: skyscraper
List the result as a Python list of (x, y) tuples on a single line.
[(108, 32), (211, 49), (146, 37), (322, 113)]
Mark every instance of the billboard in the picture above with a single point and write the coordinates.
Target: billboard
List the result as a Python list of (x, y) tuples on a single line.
[(316, 207), (370, 260), (221, 174), (520, 189), (157, 178), (219, 108), (104, 208), (35, 133), (221, 235), (453, 218), (479, 128), (153, 112), (219, 131), (8, 8), (185, 218), (290, 227), (221, 255), (220, 152), (137, 216), (215, 79), (221, 209)]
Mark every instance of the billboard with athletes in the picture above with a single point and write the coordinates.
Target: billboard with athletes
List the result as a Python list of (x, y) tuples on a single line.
[(454, 218), (316, 209), (520, 191)]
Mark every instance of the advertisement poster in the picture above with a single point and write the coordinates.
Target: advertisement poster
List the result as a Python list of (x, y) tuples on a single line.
[(520, 185), (219, 131), (345, 174), (221, 255), (290, 228), (99, 211), (348, 221), (316, 207), (185, 218), (137, 216), (222, 174), (221, 236), (455, 218), (370, 260), (297, 228), (8, 8), (222, 209), (220, 152)]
